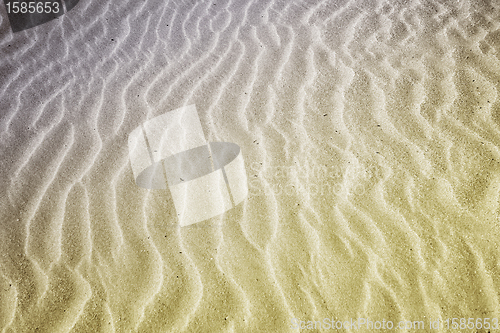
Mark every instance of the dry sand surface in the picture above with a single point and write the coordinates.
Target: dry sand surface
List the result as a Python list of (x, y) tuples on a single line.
[(370, 132)]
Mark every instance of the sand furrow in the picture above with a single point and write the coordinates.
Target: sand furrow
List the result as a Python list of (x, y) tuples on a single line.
[(370, 136)]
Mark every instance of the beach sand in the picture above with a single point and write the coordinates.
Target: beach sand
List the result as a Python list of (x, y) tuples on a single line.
[(370, 132)]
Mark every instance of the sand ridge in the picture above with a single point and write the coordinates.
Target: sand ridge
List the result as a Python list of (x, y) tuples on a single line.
[(370, 133)]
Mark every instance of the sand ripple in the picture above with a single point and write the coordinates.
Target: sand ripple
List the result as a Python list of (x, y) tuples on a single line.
[(371, 133)]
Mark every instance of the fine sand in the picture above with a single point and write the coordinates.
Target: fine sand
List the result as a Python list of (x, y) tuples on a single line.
[(370, 132)]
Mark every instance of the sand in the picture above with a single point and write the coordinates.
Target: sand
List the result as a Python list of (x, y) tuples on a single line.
[(370, 132)]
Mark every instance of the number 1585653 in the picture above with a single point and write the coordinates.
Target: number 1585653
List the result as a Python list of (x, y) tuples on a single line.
[(32, 7)]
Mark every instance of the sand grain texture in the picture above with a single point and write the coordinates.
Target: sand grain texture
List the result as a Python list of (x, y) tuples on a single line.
[(371, 136)]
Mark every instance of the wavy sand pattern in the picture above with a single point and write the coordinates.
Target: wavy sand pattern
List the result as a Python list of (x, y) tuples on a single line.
[(371, 137)]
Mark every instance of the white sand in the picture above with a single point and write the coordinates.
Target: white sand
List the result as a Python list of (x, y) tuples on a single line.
[(370, 132)]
